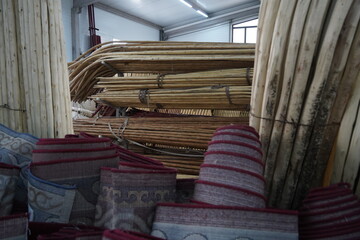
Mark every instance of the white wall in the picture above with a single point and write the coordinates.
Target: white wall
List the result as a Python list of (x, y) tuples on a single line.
[(216, 34), (112, 27), (66, 6)]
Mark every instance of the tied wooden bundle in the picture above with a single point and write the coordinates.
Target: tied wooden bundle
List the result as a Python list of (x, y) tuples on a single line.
[(190, 132), (34, 95), (231, 77), (307, 60), (216, 97), (109, 59)]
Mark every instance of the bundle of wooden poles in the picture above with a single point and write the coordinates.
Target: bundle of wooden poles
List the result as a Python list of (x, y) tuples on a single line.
[(215, 97), (190, 132), (229, 77), (307, 61), (34, 94), (169, 65), (177, 141)]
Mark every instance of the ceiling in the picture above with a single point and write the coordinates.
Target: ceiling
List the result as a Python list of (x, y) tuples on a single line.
[(174, 17)]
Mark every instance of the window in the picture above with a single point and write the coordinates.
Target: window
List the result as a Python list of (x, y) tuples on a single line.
[(245, 32)]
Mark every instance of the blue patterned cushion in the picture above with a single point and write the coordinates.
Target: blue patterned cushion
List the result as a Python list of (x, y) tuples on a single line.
[(16, 149)]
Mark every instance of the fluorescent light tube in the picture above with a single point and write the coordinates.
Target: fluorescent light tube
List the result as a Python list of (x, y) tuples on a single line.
[(186, 3), (202, 13)]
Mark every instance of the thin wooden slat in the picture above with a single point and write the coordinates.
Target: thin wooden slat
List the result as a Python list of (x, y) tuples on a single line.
[(274, 76)]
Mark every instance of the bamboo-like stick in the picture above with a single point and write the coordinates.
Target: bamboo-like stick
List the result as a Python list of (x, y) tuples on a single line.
[(40, 83), (54, 71), (19, 18), (4, 118), (351, 168), (274, 77), (47, 71), (298, 23), (347, 126), (27, 72), (8, 22), (303, 173), (263, 50), (18, 101), (34, 82), (311, 37), (26, 42), (65, 113), (346, 58)]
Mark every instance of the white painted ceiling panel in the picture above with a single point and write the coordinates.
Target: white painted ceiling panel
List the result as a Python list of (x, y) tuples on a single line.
[(212, 6), (160, 12), (171, 12)]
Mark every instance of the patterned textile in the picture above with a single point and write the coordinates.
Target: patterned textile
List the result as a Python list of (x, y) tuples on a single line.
[(128, 198), (232, 173), (240, 129), (330, 213), (9, 176), (14, 227), (235, 160), (204, 222), (126, 235), (16, 149), (221, 194), (232, 177), (236, 147), (239, 137), (81, 176)]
